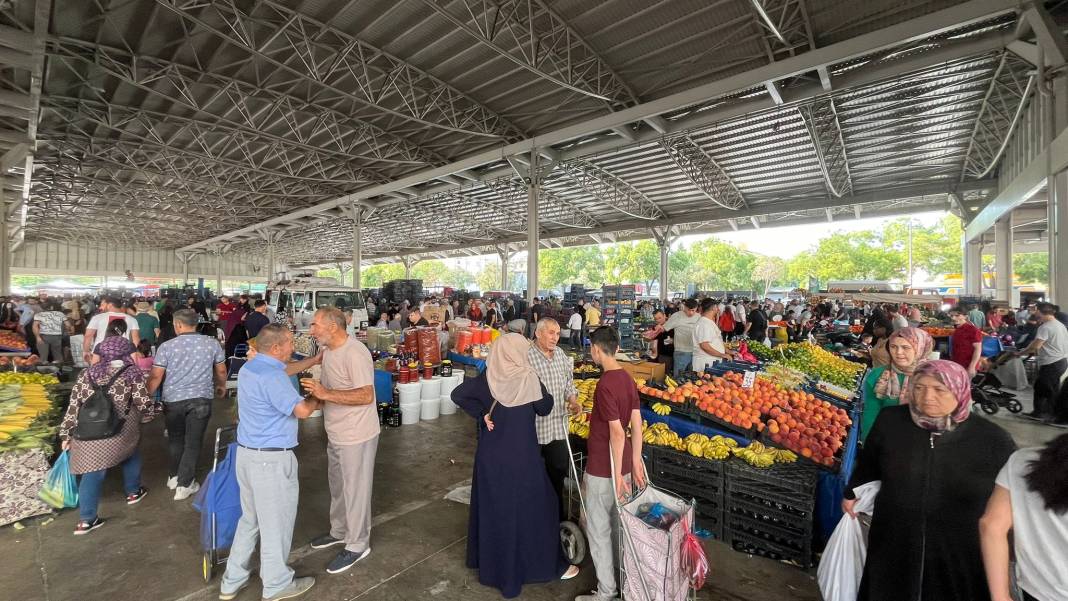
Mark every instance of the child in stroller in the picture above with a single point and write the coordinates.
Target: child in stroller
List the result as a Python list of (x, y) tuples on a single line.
[(987, 389)]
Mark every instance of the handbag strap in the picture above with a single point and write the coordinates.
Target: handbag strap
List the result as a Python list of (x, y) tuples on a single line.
[(106, 389)]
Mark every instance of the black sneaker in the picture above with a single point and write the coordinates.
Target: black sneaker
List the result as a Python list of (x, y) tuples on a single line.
[(324, 541), (345, 560), (135, 497), (87, 527)]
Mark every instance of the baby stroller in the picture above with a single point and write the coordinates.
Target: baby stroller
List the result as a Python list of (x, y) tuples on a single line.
[(219, 504), (987, 390)]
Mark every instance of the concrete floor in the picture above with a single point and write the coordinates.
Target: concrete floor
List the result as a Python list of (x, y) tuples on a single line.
[(152, 550)]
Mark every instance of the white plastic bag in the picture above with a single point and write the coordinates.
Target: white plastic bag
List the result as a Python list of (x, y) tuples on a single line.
[(842, 564)]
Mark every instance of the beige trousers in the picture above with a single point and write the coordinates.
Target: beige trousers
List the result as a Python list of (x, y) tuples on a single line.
[(351, 471)]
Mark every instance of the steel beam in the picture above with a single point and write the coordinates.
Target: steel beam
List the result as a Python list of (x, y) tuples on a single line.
[(612, 190), (704, 172), (342, 64), (1005, 101), (825, 131)]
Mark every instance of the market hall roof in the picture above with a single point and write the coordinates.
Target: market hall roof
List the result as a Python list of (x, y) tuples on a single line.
[(189, 123)]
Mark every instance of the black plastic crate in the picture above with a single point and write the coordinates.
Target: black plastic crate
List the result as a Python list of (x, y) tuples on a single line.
[(799, 543), (704, 492), (786, 504), (709, 518), (798, 478), (685, 465), (744, 541), (781, 523)]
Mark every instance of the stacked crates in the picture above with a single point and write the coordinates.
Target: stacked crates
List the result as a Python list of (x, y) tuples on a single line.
[(770, 512), (574, 296), (618, 305), (398, 291)]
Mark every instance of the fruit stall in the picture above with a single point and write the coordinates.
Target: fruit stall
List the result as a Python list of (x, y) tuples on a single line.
[(30, 409), (764, 448)]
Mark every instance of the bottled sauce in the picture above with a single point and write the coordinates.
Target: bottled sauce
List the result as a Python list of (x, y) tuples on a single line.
[(413, 372), (446, 368), (403, 375), (428, 370)]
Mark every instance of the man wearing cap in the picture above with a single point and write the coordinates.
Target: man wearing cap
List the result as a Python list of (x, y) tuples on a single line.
[(147, 324)]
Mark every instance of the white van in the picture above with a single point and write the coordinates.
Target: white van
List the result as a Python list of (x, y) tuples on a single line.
[(299, 297)]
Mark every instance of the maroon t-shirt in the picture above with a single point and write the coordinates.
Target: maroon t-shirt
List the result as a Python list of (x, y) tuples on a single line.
[(963, 338), (615, 398)]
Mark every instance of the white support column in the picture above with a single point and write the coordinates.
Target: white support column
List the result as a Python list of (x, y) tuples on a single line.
[(533, 234), (1003, 258), (5, 246), (505, 254), (973, 268), (185, 258), (408, 262), (664, 239), (1058, 238), (357, 244)]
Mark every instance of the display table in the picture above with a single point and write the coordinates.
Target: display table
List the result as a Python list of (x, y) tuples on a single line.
[(479, 364)]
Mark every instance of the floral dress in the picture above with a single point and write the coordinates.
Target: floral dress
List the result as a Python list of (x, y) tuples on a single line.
[(94, 455)]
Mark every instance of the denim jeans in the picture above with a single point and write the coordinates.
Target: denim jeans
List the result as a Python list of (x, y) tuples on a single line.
[(90, 484), (186, 422), (682, 362)]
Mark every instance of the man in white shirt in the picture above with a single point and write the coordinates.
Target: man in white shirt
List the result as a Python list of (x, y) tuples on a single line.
[(896, 318), (708, 347), (97, 329), (682, 324), (574, 324), (739, 317), (1050, 348)]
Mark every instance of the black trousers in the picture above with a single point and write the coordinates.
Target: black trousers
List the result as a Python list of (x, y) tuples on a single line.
[(186, 422), (1047, 385), (557, 465), (1026, 596)]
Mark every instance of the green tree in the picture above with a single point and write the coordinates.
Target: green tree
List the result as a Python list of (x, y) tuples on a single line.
[(573, 264), (376, 275), (632, 262), (716, 265), (489, 278), (768, 271), (1031, 268), (859, 255)]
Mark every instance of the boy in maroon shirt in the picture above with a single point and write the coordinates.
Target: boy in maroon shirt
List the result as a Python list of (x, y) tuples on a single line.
[(615, 406), (967, 342)]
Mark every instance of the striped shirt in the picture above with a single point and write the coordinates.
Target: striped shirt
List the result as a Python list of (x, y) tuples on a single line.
[(558, 377)]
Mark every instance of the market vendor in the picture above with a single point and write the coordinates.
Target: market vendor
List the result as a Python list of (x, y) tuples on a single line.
[(663, 350), (708, 347), (888, 386), (416, 319)]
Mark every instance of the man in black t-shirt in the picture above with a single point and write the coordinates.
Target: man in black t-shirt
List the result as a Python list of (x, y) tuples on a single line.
[(537, 311), (756, 327)]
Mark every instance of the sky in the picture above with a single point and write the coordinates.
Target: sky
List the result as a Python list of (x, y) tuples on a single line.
[(787, 242)]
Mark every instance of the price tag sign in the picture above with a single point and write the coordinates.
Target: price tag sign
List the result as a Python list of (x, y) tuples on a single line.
[(747, 381)]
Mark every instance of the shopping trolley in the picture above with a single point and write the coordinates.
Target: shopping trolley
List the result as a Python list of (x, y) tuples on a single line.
[(651, 565), (219, 503), (572, 536)]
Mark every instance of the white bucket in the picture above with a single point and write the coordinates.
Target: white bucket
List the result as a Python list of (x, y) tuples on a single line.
[(431, 388), (430, 409), (449, 384), (447, 406), (410, 413), (409, 393)]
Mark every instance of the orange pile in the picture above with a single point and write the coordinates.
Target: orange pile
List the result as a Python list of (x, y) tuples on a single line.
[(936, 331), (674, 394), (797, 420)]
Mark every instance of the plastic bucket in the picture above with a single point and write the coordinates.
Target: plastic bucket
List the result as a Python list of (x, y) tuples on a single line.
[(463, 340), (409, 393), (430, 409), (410, 413), (431, 389), (447, 406), (449, 384)]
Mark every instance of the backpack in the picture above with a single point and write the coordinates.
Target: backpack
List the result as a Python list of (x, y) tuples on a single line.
[(726, 321), (97, 417)]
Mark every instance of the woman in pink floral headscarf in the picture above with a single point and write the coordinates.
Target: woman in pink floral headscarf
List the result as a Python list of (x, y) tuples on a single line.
[(937, 463), (887, 386)]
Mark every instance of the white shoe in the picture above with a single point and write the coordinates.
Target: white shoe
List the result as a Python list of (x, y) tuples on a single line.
[(172, 482), (184, 492)]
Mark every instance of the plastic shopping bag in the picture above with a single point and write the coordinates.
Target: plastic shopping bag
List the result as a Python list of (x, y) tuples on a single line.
[(842, 564), (60, 489)]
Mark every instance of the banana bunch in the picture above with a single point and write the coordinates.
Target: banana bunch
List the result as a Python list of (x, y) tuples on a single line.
[(586, 368), (670, 382), (757, 455), (579, 425), (586, 388), (716, 448), (661, 409), (661, 435)]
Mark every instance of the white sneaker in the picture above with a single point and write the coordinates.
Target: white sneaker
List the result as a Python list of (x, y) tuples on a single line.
[(172, 482), (184, 492)]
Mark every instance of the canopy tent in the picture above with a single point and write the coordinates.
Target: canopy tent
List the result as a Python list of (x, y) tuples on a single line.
[(885, 297)]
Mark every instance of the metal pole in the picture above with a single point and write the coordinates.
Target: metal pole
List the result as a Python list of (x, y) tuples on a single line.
[(5, 247), (186, 258), (973, 268), (219, 281), (910, 252), (504, 255), (533, 235), (270, 257), (664, 249), (357, 244), (1003, 258)]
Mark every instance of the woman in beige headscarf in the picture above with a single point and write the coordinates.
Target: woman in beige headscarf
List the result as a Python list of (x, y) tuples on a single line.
[(513, 532)]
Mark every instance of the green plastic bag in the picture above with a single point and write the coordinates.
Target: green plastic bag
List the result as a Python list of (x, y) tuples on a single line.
[(60, 488)]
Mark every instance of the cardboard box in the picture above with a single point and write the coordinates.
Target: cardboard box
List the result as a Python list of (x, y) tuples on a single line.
[(644, 369)]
